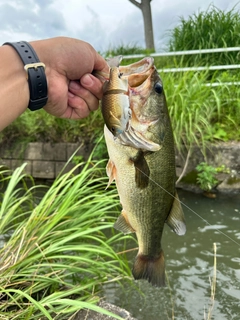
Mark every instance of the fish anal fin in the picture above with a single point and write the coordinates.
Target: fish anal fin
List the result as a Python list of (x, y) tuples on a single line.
[(151, 269), (123, 224), (111, 172), (175, 219), (142, 171)]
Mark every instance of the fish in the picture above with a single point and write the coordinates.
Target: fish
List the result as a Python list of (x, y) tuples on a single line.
[(142, 164), (115, 102)]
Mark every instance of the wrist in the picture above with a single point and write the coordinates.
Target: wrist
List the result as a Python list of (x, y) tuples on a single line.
[(14, 90)]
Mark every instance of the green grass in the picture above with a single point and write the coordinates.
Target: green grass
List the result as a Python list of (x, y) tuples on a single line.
[(213, 28), (43, 127), (57, 255), (201, 114)]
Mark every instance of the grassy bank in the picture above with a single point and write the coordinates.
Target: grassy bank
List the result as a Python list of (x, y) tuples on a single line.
[(56, 255)]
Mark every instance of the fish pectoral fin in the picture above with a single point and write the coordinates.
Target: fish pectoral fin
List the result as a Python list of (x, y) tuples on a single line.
[(175, 219), (111, 172), (142, 171), (122, 224)]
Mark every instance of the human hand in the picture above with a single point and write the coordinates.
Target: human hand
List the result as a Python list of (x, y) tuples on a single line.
[(72, 89)]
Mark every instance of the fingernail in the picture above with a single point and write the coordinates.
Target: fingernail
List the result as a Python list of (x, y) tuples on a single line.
[(71, 95), (74, 85), (86, 80)]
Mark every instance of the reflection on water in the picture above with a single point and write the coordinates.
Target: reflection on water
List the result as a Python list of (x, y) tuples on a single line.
[(189, 266)]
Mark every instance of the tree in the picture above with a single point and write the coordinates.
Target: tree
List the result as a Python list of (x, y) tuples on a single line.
[(145, 7)]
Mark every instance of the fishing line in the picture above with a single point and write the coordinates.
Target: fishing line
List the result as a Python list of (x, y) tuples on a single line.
[(186, 206)]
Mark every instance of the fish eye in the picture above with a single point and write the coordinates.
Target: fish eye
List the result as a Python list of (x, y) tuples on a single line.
[(113, 129), (158, 88)]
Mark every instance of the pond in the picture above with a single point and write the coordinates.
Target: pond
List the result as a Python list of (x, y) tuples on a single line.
[(189, 266)]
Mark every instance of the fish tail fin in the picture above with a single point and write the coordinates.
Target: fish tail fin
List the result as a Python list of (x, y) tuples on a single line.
[(150, 268)]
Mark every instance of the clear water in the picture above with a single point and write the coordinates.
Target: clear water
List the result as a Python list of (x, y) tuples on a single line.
[(189, 266)]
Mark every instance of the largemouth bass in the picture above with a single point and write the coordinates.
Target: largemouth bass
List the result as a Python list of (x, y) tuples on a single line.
[(142, 163)]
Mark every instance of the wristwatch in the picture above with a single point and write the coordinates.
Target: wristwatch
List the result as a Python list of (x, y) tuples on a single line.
[(35, 74)]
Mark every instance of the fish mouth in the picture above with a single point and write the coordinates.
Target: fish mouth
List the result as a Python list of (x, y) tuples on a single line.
[(137, 67), (137, 73)]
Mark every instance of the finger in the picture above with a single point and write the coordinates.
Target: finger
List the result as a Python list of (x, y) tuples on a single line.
[(77, 107), (100, 64), (83, 94), (93, 84)]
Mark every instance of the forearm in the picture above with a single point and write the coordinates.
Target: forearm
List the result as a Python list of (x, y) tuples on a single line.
[(14, 90), (72, 89)]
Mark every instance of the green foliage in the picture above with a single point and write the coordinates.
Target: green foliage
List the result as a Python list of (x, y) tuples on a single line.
[(200, 113), (77, 159), (57, 255), (42, 127), (206, 176), (125, 50), (208, 29)]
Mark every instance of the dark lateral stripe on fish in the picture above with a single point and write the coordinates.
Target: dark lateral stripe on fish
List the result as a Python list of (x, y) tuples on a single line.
[(151, 269), (115, 91)]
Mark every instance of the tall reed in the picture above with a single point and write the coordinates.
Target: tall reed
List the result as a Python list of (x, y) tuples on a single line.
[(57, 256)]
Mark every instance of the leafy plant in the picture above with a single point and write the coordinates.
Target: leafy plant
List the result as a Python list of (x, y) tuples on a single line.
[(206, 177), (77, 159)]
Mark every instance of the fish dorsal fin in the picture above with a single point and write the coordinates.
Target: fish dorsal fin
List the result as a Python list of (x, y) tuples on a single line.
[(111, 172), (122, 224), (175, 219)]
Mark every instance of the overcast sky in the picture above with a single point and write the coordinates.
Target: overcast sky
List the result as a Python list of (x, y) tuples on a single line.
[(103, 23)]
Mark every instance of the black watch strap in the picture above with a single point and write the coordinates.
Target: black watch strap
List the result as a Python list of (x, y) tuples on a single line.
[(35, 74)]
